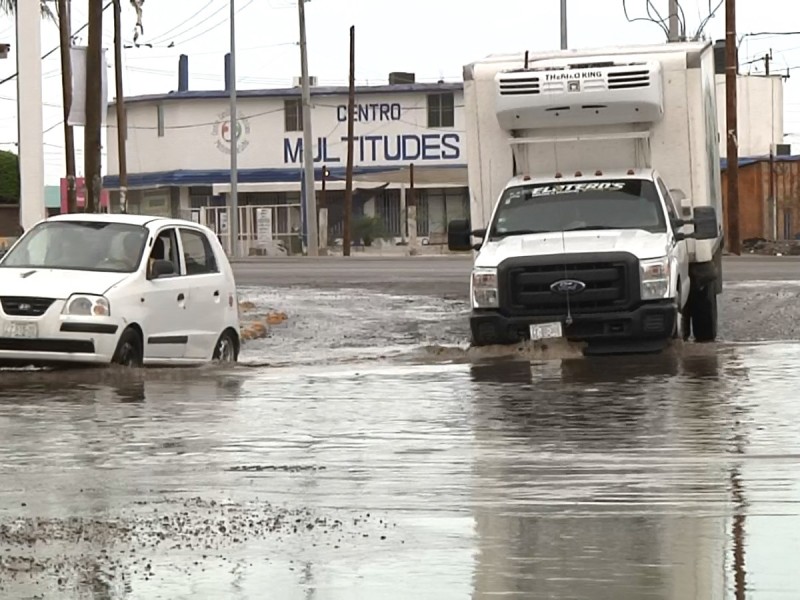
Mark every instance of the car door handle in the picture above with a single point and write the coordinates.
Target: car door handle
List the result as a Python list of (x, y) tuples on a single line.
[(216, 293), (181, 297)]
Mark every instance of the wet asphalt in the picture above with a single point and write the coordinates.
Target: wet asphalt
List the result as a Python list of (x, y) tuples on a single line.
[(361, 450)]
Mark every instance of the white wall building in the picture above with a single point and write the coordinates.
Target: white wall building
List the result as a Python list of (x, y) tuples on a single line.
[(760, 114), (179, 147)]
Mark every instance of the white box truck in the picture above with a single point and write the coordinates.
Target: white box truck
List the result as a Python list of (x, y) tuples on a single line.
[(596, 208)]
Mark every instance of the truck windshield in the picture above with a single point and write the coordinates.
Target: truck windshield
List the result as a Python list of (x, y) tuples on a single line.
[(590, 205)]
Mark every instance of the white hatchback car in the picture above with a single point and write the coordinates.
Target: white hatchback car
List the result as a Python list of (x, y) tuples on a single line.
[(126, 289)]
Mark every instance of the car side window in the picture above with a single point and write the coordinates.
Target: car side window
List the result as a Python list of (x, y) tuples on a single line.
[(197, 253), (165, 247)]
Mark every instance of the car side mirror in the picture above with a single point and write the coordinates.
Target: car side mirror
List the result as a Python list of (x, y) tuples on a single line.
[(705, 223), (459, 236), (161, 268)]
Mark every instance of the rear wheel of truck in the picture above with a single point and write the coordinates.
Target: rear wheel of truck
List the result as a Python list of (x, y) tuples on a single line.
[(704, 313)]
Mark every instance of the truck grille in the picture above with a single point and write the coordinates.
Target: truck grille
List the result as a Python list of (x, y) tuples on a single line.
[(519, 86), (622, 80), (20, 306), (609, 286)]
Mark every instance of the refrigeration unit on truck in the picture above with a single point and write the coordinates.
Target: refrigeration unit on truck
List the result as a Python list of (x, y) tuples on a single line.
[(596, 204)]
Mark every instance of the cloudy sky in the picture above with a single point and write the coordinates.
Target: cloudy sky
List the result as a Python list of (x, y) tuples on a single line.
[(432, 38)]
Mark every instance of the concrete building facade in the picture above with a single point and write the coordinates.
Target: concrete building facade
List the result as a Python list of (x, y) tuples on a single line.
[(179, 147)]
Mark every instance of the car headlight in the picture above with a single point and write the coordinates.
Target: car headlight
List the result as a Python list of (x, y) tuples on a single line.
[(655, 278), (484, 288), (87, 305)]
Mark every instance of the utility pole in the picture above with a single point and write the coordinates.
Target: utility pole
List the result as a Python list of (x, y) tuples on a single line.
[(348, 190), (94, 106), (65, 30), (731, 107), (563, 24), (767, 59), (674, 21), (308, 149), (233, 221), (29, 108), (122, 122)]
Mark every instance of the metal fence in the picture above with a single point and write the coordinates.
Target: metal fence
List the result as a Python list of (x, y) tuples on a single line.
[(266, 230)]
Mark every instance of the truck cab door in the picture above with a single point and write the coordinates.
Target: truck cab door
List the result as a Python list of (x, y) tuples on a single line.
[(680, 248)]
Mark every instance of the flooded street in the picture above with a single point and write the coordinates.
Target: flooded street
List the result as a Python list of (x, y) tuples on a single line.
[(361, 451)]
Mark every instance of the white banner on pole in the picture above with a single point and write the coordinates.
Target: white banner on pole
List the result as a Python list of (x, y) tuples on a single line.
[(77, 112)]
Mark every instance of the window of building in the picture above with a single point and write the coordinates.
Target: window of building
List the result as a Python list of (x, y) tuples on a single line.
[(441, 110), (197, 253), (160, 119), (293, 114)]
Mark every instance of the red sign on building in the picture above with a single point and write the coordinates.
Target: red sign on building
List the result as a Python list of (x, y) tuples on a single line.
[(80, 193)]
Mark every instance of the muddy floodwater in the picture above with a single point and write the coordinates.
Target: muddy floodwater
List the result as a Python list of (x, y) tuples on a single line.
[(360, 451)]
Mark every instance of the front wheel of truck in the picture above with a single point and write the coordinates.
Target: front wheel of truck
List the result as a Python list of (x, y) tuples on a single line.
[(704, 313)]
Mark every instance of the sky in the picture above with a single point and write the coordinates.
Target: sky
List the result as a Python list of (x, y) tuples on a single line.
[(432, 38)]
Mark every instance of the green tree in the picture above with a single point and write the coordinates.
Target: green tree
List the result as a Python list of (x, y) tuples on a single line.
[(9, 7), (9, 177)]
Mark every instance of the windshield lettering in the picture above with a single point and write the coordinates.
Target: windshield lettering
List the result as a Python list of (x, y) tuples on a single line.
[(579, 206)]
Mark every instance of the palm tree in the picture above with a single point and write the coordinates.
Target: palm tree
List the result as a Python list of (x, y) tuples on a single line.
[(9, 7)]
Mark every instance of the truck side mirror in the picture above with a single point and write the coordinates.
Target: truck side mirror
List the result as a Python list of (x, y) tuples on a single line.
[(705, 223), (459, 235)]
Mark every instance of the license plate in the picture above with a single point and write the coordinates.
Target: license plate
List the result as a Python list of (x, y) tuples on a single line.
[(546, 331), (20, 330)]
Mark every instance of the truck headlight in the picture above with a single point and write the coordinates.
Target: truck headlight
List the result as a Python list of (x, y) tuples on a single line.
[(655, 278), (87, 305), (484, 288)]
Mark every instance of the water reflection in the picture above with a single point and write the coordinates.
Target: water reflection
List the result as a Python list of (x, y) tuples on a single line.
[(621, 482), (672, 477)]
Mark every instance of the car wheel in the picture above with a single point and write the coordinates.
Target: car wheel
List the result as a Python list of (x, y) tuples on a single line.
[(226, 350), (129, 351)]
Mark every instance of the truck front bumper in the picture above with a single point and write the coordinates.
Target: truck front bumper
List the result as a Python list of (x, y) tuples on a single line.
[(652, 321)]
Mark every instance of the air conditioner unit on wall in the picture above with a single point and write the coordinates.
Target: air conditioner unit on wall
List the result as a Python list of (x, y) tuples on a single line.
[(298, 81)]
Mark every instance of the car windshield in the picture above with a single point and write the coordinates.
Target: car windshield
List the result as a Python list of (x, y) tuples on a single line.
[(591, 205), (79, 245)]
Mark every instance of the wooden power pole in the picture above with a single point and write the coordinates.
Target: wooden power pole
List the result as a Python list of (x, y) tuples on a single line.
[(65, 30), (348, 190), (122, 124), (94, 105), (731, 107), (673, 18)]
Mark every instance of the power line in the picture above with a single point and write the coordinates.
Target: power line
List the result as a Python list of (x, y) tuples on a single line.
[(711, 14), (163, 36), (770, 33), (14, 76), (213, 27)]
